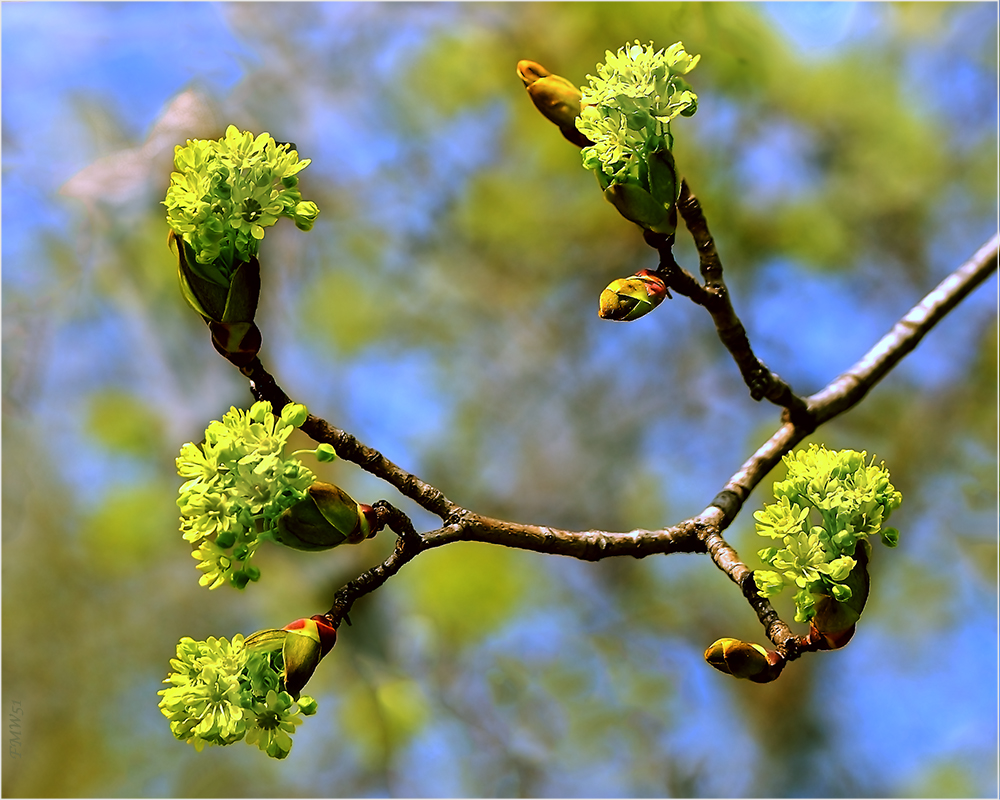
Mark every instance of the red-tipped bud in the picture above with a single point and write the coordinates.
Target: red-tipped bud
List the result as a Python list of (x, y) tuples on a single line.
[(303, 645), (626, 299), (308, 640)]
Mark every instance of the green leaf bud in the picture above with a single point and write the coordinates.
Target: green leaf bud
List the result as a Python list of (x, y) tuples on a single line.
[(626, 299), (639, 206), (303, 645), (325, 518), (307, 642)]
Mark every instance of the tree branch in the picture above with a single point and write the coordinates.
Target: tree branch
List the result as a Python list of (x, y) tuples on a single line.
[(264, 387), (845, 391), (702, 533)]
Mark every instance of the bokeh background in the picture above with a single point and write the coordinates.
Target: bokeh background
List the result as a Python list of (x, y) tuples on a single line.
[(444, 311)]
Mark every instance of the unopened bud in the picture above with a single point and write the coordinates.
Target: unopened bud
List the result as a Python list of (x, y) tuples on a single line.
[(557, 99), (744, 660), (303, 645), (626, 299), (326, 517)]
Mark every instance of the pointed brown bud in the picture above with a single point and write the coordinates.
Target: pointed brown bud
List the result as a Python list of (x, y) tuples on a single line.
[(744, 660), (555, 97)]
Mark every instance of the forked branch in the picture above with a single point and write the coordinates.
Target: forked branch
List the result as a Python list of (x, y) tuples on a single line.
[(701, 533)]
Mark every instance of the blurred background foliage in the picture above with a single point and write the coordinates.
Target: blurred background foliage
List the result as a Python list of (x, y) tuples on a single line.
[(444, 311)]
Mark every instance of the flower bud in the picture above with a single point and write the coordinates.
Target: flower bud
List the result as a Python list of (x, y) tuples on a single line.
[(555, 97), (626, 299), (744, 660), (303, 645), (326, 517), (307, 642)]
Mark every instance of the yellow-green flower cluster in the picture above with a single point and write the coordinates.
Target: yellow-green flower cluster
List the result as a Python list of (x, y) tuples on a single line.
[(226, 191), (851, 497), (222, 692), (238, 483), (628, 107)]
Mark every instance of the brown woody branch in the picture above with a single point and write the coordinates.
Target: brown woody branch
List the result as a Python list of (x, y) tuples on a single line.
[(702, 533), (714, 297)]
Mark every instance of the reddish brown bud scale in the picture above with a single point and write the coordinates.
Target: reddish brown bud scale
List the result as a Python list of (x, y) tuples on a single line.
[(327, 633)]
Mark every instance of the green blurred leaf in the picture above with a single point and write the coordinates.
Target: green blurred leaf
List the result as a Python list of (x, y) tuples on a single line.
[(344, 312), (132, 529), (121, 422), (467, 590)]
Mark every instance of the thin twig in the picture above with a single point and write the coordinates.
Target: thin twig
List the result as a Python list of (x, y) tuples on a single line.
[(347, 447), (714, 297)]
